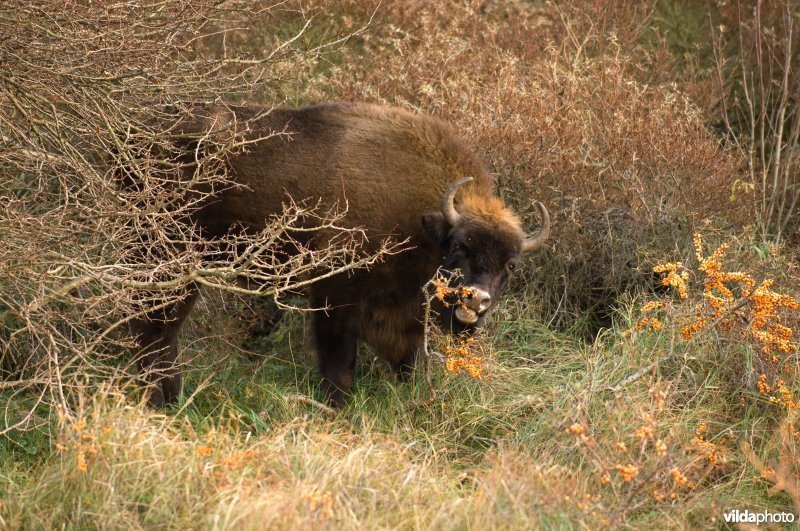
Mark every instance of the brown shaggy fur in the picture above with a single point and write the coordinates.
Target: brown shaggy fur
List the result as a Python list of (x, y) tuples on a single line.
[(392, 168)]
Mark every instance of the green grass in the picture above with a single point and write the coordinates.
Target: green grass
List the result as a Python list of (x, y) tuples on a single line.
[(488, 453)]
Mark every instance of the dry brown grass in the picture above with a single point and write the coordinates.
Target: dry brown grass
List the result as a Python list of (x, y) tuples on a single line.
[(121, 467)]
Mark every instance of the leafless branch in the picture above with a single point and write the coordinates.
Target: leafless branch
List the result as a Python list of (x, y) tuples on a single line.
[(97, 187)]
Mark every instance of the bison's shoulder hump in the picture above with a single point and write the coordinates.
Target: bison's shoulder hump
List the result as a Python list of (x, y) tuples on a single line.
[(426, 136)]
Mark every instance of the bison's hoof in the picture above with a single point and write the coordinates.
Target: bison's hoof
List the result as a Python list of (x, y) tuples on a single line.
[(335, 397), (155, 398)]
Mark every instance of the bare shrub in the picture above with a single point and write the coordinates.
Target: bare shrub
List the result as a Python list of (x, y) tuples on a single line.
[(757, 53), (96, 185)]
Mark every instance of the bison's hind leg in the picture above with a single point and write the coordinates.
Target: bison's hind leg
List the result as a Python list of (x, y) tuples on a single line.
[(335, 339), (157, 336)]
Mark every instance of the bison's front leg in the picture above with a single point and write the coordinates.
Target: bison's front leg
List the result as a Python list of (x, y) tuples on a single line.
[(335, 337), (157, 336), (404, 362), (394, 332)]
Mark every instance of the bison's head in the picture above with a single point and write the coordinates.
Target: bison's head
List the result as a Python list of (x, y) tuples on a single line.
[(483, 242)]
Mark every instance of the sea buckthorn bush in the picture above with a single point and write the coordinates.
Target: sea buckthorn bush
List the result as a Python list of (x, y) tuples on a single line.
[(733, 306), (646, 460), (459, 355)]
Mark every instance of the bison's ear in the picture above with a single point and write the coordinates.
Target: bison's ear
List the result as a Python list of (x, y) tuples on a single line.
[(436, 228)]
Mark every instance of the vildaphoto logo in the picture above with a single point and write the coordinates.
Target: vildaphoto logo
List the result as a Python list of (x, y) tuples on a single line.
[(748, 517)]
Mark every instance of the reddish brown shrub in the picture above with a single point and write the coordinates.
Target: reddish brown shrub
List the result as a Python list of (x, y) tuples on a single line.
[(557, 102)]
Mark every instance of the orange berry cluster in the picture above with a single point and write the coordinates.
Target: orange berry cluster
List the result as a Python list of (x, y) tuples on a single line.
[(579, 431), (204, 450), (723, 294), (766, 321), (443, 291), (713, 453), (628, 472), (322, 503), (673, 278), (461, 360), (649, 320), (777, 394), (86, 439)]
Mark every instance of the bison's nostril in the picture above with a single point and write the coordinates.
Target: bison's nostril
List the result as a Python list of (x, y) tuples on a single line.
[(479, 300)]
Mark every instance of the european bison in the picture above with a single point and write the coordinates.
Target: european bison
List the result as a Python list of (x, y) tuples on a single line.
[(401, 174)]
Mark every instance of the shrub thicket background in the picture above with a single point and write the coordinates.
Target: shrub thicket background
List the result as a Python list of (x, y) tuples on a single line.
[(638, 124)]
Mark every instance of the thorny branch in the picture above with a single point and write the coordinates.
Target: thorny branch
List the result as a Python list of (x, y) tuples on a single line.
[(96, 188), (429, 355)]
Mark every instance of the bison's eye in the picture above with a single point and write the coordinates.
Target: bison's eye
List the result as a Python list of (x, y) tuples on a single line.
[(510, 266)]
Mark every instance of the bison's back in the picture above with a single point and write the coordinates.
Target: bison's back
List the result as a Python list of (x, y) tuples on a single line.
[(388, 165)]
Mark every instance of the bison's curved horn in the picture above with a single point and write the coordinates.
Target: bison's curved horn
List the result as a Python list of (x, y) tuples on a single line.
[(538, 240), (450, 213)]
